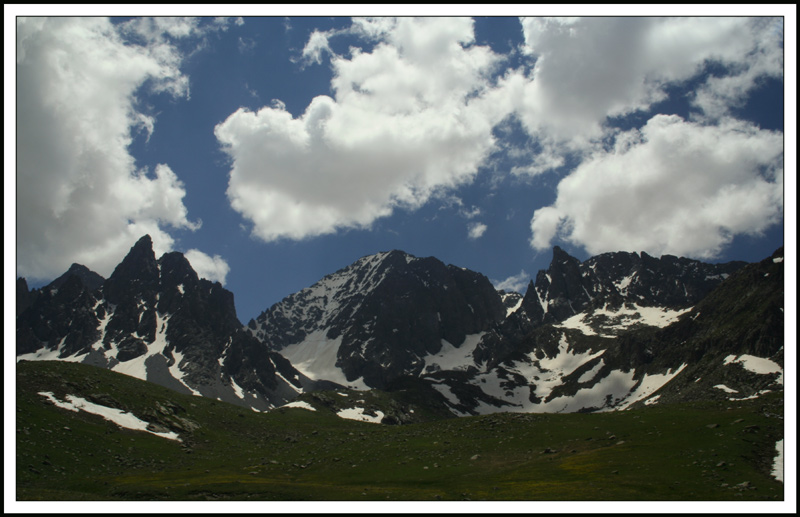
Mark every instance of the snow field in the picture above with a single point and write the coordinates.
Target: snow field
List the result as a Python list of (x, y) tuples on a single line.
[(119, 417), (315, 357)]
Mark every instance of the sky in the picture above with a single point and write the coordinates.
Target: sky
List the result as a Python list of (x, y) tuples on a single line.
[(274, 150)]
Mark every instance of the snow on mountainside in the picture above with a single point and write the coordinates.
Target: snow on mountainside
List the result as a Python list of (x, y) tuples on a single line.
[(557, 348), (615, 331), (606, 358), (157, 321), (379, 318)]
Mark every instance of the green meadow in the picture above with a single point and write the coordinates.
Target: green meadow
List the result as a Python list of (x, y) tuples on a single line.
[(700, 451)]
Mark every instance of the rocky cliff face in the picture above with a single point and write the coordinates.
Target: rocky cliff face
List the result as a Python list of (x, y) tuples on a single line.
[(376, 320), (618, 290), (621, 330), (156, 320), (612, 279)]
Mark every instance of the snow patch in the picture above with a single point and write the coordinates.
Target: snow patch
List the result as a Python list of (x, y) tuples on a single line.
[(543, 375), (607, 320), (589, 375), (119, 417), (176, 372), (725, 388), (622, 285), (777, 463), (776, 260), (357, 413), (47, 354), (757, 365), (514, 308), (451, 357), (577, 322), (291, 385), (650, 384), (652, 400), (300, 404), (237, 389), (315, 357)]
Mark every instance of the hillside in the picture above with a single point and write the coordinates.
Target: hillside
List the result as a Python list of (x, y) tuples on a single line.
[(684, 451)]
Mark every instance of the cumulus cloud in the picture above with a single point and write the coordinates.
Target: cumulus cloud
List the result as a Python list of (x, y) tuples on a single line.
[(673, 187), (317, 44), (476, 230), (516, 283), (589, 69), (408, 120), (212, 268), (161, 28), (763, 59), (80, 196)]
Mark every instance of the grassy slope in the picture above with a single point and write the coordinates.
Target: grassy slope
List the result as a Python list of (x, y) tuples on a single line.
[(697, 451)]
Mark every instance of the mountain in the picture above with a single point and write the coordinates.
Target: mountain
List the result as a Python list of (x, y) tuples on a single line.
[(378, 319), (157, 321), (613, 332), (583, 338), (88, 278), (619, 330), (616, 291)]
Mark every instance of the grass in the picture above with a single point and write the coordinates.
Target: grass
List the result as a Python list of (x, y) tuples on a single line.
[(701, 451)]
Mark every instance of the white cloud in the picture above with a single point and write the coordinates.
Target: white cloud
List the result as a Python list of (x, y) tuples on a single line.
[(316, 45), (516, 283), (470, 213), (80, 197), (160, 28), (588, 69), (212, 268), (476, 230), (407, 121), (673, 187), (764, 58)]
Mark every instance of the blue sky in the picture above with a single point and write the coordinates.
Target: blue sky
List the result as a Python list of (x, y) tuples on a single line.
[(276, 150)]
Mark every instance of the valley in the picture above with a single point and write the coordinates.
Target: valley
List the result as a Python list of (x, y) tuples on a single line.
[(621, 378)]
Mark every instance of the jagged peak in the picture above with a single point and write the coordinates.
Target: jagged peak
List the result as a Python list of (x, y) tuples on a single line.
[(144, 242), (176, 266), (560, 256), (139, 265), (142, 248), (88, 278)]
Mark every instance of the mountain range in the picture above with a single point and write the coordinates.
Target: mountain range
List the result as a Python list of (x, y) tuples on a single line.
[(613, 332)]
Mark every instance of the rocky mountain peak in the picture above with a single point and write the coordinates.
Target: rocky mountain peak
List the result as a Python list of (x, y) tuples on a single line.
[(569, 286), (175, 270), (375, 320), (138, 271), (156, 320), (89, 278)]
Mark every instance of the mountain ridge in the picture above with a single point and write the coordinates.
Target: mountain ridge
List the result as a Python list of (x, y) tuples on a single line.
[(580, 339), (157, 320)]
